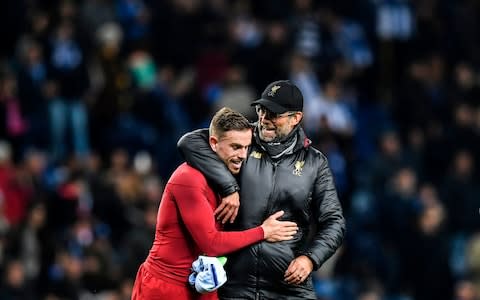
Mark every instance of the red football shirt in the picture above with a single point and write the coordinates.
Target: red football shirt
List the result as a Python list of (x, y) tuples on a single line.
[(186, 227)]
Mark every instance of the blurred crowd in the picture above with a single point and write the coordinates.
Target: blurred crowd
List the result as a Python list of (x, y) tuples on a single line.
[(95, 93)]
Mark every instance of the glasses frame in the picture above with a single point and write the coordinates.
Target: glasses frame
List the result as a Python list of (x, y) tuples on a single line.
[(269, 115)]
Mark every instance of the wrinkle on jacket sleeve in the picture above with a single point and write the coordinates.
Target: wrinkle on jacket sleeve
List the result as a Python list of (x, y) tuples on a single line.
[(328, 215)]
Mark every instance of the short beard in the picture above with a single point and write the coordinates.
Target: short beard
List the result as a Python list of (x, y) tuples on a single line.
[(278, 136), (263, 138)]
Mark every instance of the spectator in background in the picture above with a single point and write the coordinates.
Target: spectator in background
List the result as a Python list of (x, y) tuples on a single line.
[(7, 174), (335, 114), (465, 86), (14, 125), (188, 203), (111, 83), (67, 95), (14, 196), (473, 263), (134, 16), (139, 239), (399, 208), (303, 75), (32, 78), (159, 112), (390, 158), (66, 276), (269, 56), (307, 32), (15, 284), (349, 40), (34, 246), (93, 14), (109, 97), (427, 265), (465, 290), (460, 194), (236, 93), (40, 22)]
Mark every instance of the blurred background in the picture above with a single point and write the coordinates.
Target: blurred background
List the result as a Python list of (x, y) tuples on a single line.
[(94, 95)]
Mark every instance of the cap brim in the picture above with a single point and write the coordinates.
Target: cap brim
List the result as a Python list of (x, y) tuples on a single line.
[(270, 105)]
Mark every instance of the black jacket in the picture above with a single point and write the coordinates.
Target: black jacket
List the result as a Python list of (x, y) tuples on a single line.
[(300, 184)]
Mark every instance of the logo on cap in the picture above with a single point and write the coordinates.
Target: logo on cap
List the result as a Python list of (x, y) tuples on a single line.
[(273, 90)]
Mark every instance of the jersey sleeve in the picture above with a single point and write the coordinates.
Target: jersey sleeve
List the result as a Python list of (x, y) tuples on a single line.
[(197, 215)]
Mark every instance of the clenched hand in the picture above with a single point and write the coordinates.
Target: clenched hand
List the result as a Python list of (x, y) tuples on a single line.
[(298, 270)]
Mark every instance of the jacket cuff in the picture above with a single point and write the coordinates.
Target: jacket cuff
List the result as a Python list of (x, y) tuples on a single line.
[(229, 190), (313, 258)]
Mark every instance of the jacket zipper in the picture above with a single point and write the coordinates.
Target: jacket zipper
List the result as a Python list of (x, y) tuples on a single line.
[(269, 205), (268, 212)]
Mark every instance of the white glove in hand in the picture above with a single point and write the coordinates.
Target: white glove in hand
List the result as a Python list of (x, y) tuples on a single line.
[(208, 274)]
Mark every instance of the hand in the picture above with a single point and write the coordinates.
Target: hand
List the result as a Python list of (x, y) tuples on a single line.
[(228, 209), (298, 270), (276, 231)]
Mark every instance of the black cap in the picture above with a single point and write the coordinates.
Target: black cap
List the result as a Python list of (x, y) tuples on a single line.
[(281, 96)]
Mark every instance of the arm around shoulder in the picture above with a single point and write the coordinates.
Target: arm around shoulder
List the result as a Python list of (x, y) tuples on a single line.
[(196, 151)]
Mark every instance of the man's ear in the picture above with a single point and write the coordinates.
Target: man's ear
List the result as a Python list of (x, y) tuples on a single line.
[(297, 118), (213, 141)]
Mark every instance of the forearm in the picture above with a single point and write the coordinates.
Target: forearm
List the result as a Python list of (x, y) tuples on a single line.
[(328, 214), (326, 242), (197, 215), (224, 242)]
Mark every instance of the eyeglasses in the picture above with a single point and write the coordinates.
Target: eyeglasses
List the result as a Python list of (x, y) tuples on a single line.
[(262, 111)]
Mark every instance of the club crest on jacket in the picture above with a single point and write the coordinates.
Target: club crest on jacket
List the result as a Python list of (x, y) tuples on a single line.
[(256, 154), (298, 168)]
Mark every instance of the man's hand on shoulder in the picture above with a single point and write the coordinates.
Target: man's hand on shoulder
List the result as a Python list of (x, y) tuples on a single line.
[(228, 208)]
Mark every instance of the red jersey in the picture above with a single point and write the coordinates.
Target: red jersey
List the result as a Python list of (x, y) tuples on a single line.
[(186, 228)]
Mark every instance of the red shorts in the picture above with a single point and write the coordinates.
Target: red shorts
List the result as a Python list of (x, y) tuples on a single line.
[(148, 287)]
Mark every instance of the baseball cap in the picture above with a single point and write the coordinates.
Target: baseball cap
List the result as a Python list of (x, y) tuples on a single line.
[(281, 96), (208, 274)]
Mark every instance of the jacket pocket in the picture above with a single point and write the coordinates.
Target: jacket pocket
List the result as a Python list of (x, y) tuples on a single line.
[(275, 259)]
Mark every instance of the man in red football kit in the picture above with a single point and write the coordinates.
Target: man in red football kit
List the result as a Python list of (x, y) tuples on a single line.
[(186, 226)]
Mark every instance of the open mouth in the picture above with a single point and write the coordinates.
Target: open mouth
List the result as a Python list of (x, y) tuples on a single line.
[(236, 163), (265, 128)]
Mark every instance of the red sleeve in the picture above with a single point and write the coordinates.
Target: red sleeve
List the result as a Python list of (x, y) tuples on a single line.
[(197, 215)]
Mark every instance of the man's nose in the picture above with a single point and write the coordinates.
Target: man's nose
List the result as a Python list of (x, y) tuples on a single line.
[(242, 153)]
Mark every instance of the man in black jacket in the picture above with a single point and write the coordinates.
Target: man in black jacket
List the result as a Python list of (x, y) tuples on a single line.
[(282, 172)]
